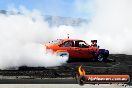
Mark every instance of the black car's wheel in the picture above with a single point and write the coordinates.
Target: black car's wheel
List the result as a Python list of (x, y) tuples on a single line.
[(102, 55), (100, 58)]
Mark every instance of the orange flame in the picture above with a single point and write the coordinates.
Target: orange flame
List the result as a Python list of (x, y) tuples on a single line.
[(81, 71)]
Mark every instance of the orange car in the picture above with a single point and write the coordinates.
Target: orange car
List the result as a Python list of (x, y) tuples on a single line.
[(78, 49)]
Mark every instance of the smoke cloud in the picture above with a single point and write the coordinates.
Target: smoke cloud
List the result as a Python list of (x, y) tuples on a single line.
[(22, 38), (22, 35), (110, 24)]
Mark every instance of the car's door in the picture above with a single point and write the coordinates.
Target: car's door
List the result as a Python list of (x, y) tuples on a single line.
[(82, 49), (69, 46)]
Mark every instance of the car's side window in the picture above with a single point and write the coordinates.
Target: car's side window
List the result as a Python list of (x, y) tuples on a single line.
[(80, 44), (68, 44)]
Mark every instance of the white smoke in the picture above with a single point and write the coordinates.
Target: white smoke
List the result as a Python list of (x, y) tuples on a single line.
[(111, 24), (22, 38)]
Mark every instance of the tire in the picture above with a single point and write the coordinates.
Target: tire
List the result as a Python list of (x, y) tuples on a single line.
[(100, 58), (102, 55)]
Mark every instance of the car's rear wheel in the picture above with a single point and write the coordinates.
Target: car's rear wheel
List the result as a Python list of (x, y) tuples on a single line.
[(102, 55), (100, 58)]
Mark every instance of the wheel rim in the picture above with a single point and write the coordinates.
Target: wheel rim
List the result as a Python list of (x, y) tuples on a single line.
[(100, 57)]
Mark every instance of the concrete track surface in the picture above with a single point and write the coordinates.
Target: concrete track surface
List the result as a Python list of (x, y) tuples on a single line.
[(65, 74)]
